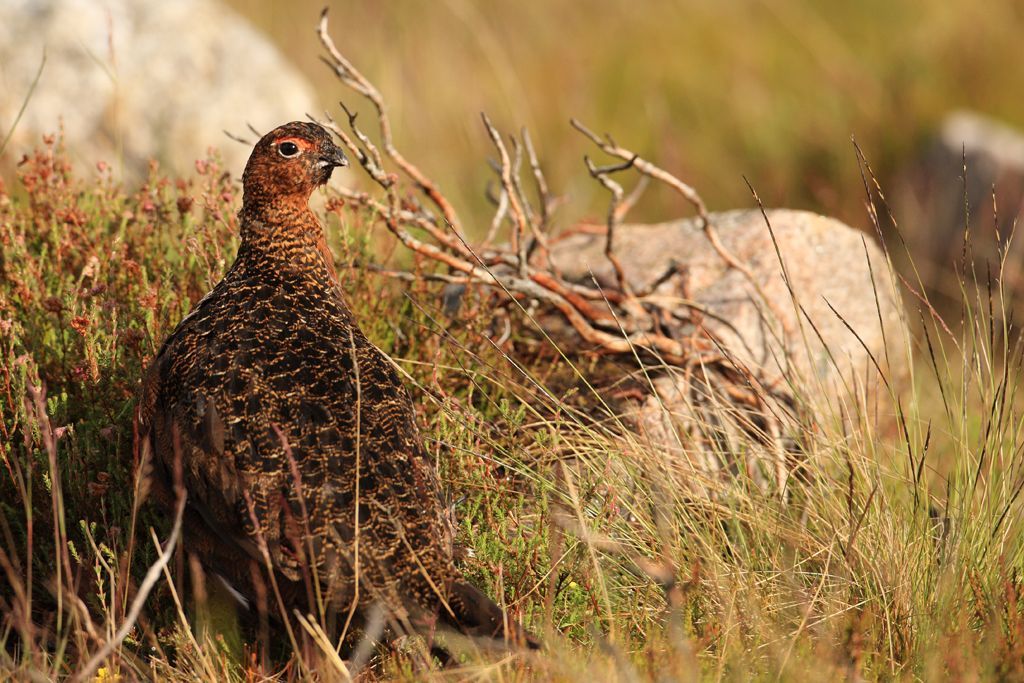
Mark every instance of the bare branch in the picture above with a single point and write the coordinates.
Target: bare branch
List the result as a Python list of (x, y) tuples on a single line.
[(365, 160), (518, 214), (633, 197), (422, 221), (236, 138), (539, 239), (545, 201), (608, 146), (499, 217), (517, 166), (612, 319), (351, 77), (406, 276), (371, 148), (603, 175)]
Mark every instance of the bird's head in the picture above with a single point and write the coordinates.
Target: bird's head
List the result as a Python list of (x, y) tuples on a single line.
[(290, 162)]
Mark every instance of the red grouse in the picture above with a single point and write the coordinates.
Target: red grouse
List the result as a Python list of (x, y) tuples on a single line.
[(289, 428)]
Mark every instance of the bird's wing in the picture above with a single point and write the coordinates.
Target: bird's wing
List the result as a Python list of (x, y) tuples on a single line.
[(182, 429), (295, 435)]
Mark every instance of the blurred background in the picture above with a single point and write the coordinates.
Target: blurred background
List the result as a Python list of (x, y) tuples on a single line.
[(770, 90)]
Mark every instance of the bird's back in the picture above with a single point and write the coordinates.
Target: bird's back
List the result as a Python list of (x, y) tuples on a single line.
[(289, 418)]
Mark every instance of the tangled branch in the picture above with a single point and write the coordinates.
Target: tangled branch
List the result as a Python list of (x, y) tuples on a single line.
[(613, 319)]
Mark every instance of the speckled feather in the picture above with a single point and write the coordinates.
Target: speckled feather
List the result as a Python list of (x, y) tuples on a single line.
[(294, 428)]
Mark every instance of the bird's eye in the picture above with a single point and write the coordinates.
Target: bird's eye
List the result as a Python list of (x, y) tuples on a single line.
[(288, 149)]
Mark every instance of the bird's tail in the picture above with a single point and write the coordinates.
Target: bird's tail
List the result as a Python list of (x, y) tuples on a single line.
[(476, 615)]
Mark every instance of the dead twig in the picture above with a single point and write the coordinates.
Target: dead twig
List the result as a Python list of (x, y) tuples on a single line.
[(499, 217), (609, 146), (351, 77), (630, 200), (544, 199), (603, 176), (519, 219)]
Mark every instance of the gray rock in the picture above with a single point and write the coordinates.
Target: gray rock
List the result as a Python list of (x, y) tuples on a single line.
[(930, 205), (824, 340), (983, 138), (130, 80)]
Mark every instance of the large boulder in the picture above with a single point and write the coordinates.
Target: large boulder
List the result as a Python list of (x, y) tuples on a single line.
[(131, 80), (818, 324)]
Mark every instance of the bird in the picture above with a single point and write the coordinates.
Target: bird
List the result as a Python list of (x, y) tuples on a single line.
[(292, 434)]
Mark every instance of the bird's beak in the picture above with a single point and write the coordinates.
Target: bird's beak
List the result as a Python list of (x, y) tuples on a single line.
[(332, 157)]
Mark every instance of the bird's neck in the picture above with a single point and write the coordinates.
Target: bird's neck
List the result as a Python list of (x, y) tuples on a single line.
[(286, 234), (289, 209)]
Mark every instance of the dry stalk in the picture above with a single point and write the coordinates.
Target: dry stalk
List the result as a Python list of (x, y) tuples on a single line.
[(148, 582)]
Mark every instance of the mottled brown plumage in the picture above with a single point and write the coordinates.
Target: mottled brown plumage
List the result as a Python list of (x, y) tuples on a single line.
[(295, 430)]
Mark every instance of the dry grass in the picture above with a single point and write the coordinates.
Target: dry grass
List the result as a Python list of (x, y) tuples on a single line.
[(898, 556)]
